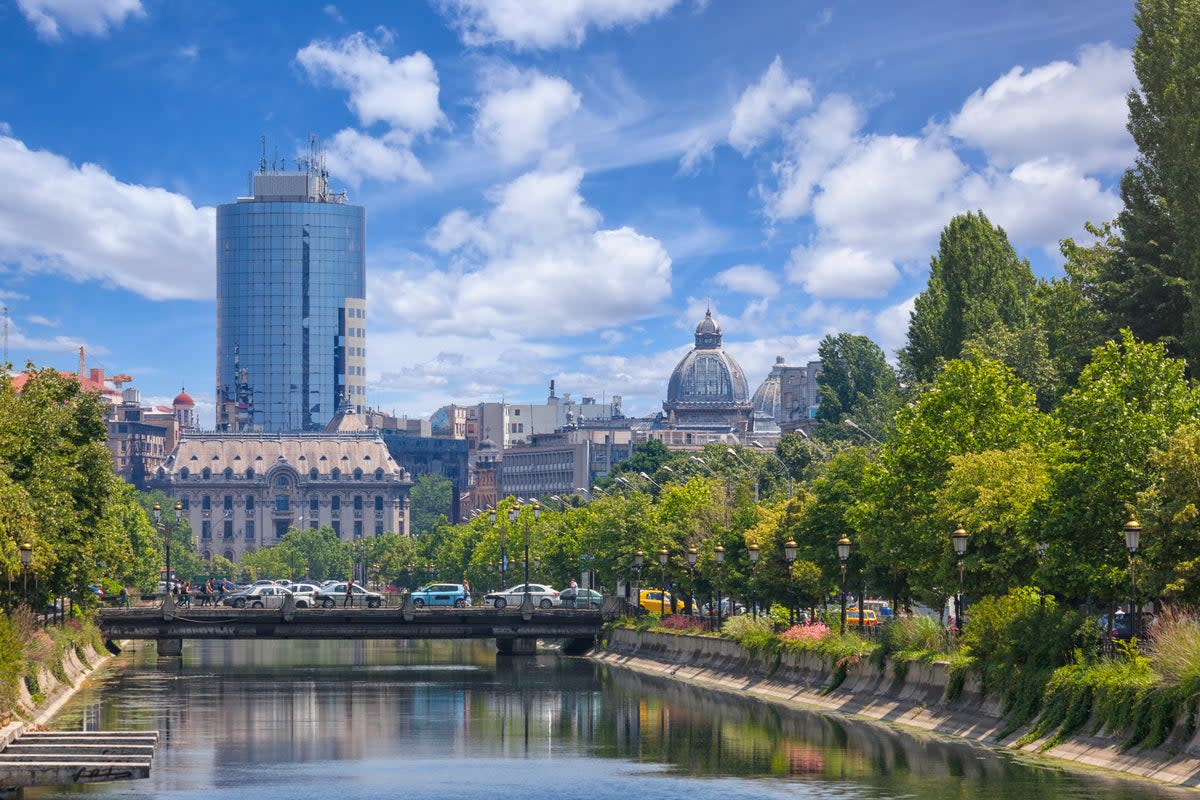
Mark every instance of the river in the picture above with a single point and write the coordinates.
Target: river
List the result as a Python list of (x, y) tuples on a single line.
[(449, 720)]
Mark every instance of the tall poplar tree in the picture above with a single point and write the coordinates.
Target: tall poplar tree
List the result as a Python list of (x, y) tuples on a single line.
[(976, 283)]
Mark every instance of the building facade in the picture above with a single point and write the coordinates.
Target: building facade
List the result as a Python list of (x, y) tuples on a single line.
[(707, 390), (242, 491), (291, 305), (562, 463)]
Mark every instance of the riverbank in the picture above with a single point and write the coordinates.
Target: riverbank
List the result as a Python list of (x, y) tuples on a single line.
[(52, 687), (919, 695)]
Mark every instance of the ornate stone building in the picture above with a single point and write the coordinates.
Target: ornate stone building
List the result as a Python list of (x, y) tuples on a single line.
[(243, 491), (707, 391)]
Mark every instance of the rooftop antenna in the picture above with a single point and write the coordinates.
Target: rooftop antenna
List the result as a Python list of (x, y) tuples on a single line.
[(262, 159)]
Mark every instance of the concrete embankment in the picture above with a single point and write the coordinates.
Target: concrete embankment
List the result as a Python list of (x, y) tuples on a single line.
[(54, 693), (915, 697)]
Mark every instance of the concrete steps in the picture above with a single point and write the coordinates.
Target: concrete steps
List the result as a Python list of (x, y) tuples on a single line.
[(55, 758)]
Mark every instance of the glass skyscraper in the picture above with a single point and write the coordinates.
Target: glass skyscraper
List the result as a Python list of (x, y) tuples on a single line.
[(291, 305)]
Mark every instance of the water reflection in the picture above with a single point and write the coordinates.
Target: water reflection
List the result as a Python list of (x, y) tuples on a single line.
[(451, 719)]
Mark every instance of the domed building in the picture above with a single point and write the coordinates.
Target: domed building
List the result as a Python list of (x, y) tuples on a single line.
[(768, 399), (707, 389)]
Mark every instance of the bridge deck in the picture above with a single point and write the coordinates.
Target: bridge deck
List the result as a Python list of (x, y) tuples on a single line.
[(347, 623)]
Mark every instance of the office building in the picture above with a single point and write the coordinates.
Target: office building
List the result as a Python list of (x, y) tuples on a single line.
[(291, 304)]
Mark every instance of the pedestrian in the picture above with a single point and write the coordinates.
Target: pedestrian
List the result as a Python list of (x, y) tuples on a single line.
[(349, 601), (125, 596), (208, 593), (185, 594)]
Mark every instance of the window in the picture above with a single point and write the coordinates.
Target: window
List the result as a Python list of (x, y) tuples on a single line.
[(313, 504), (358, 504), (228, 529), (228, 473), (282, 482), (183, 473), (337, 473), (250, 474), (205, 530), (249, 530), (357, 474), (379, 528), (358, 529), (249, 502), (379, 474), (229, 502), (335, 503), (205, 473), (337, 529), (205, 503), (282, 502), (379, 502), (313, 474), (312, 524), (186, 503), (228, 554)]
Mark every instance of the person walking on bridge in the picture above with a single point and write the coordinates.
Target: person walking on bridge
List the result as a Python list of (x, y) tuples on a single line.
[(349, 601)]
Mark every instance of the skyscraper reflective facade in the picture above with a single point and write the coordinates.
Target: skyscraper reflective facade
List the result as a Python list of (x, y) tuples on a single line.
[(291, 305)]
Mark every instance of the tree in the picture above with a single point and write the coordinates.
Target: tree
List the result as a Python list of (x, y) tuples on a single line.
[(974, 405), (1170, 510), (976, 281), (1129, 401), (430, 499), (1162, 192), (854, 371), (646, 457), (1070, 309)]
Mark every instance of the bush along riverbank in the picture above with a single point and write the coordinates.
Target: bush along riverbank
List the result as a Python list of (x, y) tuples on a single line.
[(41, 666), (1025, 673)]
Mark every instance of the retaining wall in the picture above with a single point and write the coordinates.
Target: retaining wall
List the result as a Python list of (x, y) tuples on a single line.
[(915, 699), (55, 693)]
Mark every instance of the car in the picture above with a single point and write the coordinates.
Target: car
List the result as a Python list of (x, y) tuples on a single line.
[(335, 595), (869, 619), (542, 596), (257, 597), (728, 608), (652, 601), (573, 597), (441, 594), (304, 593)]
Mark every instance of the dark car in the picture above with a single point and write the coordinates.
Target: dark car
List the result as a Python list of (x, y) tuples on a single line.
[(572, 597)]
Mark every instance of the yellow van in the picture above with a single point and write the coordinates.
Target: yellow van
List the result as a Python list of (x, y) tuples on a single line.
[(870, 619), (653, 602)]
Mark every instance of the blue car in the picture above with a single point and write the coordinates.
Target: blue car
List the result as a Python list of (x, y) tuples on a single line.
[(441, 594)]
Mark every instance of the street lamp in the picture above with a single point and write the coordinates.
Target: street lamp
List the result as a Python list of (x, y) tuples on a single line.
[(843, 550), (719, 555), (1133, 536), (26, 557), (537, 512), (158, 523), (782, 463), (663, 557), (749, 469), (653, 482), (852, 424), (789, 555), (639, 559), (959, 538), (753, 549), (1041, 555), (692, 555)]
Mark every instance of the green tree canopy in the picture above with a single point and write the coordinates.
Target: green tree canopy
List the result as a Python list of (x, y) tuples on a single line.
[(430, 499), (854, 372)]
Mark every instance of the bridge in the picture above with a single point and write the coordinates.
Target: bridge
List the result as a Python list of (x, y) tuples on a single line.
[(515, 629)]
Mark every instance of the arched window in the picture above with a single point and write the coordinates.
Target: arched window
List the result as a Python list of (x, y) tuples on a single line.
[(183, 474), (379, 474), (229, 473), (208, 555), (205, 473), (357, 474), (250, 473), (282, 482), (336, 474), (313, 474), (228, 554)]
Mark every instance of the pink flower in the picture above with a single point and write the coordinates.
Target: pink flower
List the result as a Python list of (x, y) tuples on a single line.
[(805, 633)]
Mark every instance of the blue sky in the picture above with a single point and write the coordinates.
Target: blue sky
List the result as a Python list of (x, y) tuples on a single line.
[(555, 189)]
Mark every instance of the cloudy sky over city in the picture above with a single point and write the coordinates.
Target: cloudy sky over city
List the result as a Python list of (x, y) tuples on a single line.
[(555, 189)]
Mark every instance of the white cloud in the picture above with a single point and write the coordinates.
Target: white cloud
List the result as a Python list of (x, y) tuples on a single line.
[(332, 12), (520, 109), (748, 279), (891, 326), (402, 92), (1064, 110), (542, 24), (766, 105), (96, 17), (814, 144), (38, 319), (842, 272), (538, 263), (354, 156), (82, 222)]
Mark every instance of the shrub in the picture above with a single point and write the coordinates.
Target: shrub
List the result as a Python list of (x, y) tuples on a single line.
[(756, 634), (682, 622), (1174, 649), (804, 637)]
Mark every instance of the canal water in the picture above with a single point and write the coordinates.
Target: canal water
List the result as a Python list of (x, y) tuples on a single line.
[(448, 720)]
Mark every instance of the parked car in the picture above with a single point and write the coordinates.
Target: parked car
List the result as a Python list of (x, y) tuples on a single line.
[(304, 593), (728, 608), (257, 597), (580, 598), (543, 596), (335, 595), (833, 618), (652, 601), (441, 594)]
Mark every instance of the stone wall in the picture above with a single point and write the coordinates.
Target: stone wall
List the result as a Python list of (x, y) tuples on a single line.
[(55, 693), (914, 697)]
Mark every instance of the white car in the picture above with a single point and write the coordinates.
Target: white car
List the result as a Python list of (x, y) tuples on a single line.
[(335, 595), (259, 597), (542, 596)]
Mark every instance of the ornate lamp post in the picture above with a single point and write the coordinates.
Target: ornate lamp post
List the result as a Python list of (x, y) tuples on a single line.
[(537, 512), (1041, 555), (639, 559), (719, 555), (843, 551), (503, 553), (663, 557), (959, 538), (789, 555), (26, 557), (692, 555), (753, 549), (1133, 536)]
